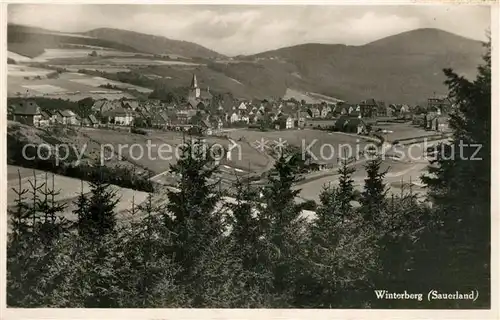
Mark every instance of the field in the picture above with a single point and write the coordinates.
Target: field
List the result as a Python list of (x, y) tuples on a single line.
[(163, 150), (403, 131), (68, 188), (17, 57), (98, 81), (326, 146), (69, 85), (94, 67), (15, 70), (51, 54), (145, 62)]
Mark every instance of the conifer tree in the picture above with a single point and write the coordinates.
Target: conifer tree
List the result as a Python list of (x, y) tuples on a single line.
[(191, 215), (373, 198), (341, 253), (283, 225), (459, 185), (345, 190), (98, 217)]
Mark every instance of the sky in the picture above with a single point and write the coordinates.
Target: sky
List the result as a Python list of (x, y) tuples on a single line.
[(244, 29)]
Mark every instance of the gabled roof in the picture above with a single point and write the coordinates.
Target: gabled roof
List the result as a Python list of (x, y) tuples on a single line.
[(67, 113), (192, 103), (206, 95), (99, 104), (45, 114), (93, 119), (119, 111), (132, 104), (27, 108), (369, 102), (348, 121)]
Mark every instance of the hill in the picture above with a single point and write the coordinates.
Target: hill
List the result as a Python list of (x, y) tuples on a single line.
[(153, 44), (403, 68), (31, 42)]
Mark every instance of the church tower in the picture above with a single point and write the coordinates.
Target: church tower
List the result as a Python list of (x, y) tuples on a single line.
[(194, 90)]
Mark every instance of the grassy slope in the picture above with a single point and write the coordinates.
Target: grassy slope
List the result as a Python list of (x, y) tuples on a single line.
[(31, 42), (153, 44)]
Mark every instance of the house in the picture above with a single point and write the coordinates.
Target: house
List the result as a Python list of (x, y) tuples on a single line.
[(27, 112), (442, 103), (290, 122), (436, 122), (120, 116), (242, 106), (284, 122), (234, 117), (45, 120), (98, 105), (301, 119), (217, 123), (159, 119), (205, 127), (130, 104), (350, 124), (90, 121), (50, 115), (245, 118), (324, 111), (399, 110), (183, 116), (371, 108), (314, 112), (67, 117)]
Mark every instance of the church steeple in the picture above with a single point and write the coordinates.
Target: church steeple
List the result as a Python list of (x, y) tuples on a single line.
[(194, 82), (194, 90)]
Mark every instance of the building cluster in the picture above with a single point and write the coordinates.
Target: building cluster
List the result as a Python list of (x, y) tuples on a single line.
[(202, 111)]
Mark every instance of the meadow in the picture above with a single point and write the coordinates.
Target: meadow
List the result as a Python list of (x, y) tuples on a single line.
[(58, 53), (403, 131), (68, 189), (68, 85), (326, 146), (250, 159)]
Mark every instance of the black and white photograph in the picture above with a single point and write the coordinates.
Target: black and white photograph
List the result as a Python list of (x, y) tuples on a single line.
[(249, 156)]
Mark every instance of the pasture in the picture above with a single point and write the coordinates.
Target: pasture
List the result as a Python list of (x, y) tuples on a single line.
[(68, 189), (15, 70), (69, 85), (98, 81), (325, 146), (94, 67), (52, 54), (158, 150), (403, 131), (17, 57), (145, 62)]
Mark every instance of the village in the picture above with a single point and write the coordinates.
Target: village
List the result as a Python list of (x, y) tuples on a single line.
[(205, 116)]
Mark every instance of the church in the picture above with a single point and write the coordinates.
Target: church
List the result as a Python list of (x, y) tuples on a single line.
[(198, 99)]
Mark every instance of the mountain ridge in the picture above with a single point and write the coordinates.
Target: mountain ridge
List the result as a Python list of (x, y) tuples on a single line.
[(403, 68)]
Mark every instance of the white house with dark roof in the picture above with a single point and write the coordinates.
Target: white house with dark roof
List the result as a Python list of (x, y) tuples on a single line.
[(27, 112), (67, 117)]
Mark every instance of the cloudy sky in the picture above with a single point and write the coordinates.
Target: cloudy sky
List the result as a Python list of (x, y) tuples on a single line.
[(241, 29)]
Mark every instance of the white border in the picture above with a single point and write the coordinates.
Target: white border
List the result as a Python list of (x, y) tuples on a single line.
[(259, 313)]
